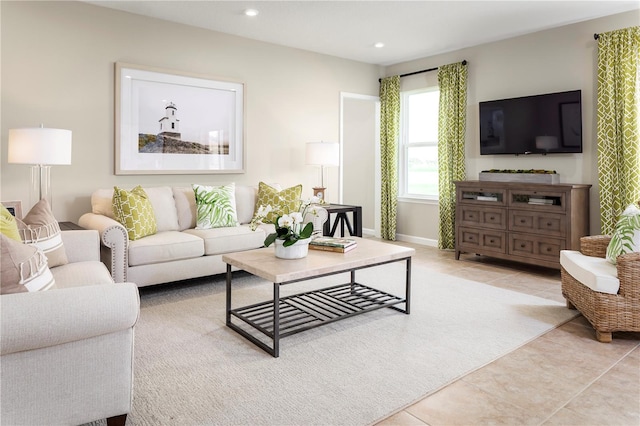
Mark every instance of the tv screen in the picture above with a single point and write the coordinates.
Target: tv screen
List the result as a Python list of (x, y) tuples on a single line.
[(541, 124)]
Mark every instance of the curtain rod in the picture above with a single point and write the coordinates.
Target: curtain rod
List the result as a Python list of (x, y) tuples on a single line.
[(464, 62), (596, 36)]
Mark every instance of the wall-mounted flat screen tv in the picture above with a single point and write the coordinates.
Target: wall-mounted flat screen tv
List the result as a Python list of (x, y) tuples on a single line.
[(541, 124)]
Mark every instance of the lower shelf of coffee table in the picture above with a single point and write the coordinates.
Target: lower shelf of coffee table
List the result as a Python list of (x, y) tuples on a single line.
[(311, 309)]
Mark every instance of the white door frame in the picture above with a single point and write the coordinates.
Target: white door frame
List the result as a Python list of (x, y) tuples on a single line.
[(377, 181)]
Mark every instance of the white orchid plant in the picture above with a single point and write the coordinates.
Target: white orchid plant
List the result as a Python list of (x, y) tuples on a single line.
[(289, 226)]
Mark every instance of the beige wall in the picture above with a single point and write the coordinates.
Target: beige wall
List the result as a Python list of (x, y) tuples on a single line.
[(548, 61), (58, 69)]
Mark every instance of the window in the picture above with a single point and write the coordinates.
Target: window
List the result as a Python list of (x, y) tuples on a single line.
[(418, 156)]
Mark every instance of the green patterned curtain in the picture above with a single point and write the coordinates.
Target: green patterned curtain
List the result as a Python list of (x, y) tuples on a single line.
[(452, 119), (389, 125), (617, 127)]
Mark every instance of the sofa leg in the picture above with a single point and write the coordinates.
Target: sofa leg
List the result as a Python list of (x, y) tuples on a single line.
[(603, 337), (117, 420), (570, 305)]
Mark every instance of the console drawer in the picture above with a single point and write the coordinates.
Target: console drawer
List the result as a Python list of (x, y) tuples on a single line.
[(486, 217), (531, 246), (481, 239), (550, 224)]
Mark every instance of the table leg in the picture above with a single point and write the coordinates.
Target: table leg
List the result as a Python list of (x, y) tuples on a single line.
[(408, 287), (228, 294), (276, 320)]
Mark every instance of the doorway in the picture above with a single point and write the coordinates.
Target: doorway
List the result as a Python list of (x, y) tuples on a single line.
[(360, 157)]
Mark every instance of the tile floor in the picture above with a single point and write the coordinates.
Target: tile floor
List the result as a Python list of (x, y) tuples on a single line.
[(564, 377)]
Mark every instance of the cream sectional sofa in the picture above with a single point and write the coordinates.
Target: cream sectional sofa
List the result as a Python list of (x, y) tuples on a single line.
[(177, 251), (67, 353)]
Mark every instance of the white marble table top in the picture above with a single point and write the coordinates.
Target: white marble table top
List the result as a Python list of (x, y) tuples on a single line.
[(263, 262)]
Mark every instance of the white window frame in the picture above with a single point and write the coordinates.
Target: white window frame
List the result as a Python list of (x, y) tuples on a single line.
[(404, 145)]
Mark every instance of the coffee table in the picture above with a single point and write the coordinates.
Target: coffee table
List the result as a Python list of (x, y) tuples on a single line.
[(283, 316)]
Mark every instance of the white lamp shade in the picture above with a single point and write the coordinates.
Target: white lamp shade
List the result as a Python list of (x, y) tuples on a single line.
[(39, 145), (323, 153)]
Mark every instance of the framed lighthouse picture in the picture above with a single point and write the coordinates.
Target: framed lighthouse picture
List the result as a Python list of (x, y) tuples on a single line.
[(169, 122)]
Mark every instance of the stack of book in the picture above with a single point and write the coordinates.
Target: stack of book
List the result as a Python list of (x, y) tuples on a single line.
[(543, 201), (339, 245)]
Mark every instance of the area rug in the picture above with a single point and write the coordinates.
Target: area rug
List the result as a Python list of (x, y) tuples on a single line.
[(190, 369)]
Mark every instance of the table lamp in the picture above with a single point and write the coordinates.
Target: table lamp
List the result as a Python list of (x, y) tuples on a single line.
[(322, 154), (41, 147)]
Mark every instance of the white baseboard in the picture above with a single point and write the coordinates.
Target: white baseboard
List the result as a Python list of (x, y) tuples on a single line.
[(417, 240), (408, 238)]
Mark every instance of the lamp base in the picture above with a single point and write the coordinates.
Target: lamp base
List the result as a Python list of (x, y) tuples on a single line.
[(320, 193)]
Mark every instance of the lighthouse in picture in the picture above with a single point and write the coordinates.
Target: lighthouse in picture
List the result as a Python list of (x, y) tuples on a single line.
[(169, 123)]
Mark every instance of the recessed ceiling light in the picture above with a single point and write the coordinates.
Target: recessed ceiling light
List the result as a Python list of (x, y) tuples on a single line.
[(251, 12), (378, 45)]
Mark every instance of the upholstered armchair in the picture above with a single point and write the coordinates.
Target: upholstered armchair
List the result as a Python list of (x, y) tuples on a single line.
[(607, 295)]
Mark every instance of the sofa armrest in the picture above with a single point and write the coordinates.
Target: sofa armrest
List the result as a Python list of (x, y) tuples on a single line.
[(81, 245), (594, 245), (66, 315), (114, 238), (628, 266)]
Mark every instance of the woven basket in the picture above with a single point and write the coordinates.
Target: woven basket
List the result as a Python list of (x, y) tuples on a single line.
[(607, 312)]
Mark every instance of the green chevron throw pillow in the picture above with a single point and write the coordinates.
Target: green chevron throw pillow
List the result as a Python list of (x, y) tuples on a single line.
[(134, 211), (216, 206), (626, 237), (285, 201)]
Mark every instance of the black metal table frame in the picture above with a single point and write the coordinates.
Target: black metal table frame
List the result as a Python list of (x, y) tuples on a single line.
[(342, 219), (282, 317)]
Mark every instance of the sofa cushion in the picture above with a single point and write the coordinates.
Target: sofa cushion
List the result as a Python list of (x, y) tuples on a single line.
[(216, 206), (246, 197), (164, 247), (134, 211), (626, 237), (594, 272), (164, 208), (41, 229), (185, 200), (24, 268), (102, 202), (282, 202), (8, 224), (228, 240)]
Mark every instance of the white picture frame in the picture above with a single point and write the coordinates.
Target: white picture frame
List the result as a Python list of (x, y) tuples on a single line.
[(168, 122), (14, 207)]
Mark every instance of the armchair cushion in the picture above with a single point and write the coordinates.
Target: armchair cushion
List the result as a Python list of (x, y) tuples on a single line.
[(626, 237), (594, 272)]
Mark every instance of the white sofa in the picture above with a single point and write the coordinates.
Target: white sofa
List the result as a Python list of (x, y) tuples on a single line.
[(67, 353), (177, 251)]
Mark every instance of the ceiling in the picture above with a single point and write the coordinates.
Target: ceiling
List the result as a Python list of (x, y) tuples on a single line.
[(349, 29)]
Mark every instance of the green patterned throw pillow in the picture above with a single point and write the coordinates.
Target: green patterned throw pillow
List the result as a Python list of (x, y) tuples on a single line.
[(8, 224), (134, 211), (216, 206), (285, 201), (626, 237)]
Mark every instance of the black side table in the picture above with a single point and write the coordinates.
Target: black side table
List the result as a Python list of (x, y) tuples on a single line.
[(342, 218), (69, 226)]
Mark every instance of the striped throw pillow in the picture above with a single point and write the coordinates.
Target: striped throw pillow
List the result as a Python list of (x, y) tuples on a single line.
[(24, 268), (41, 229)]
